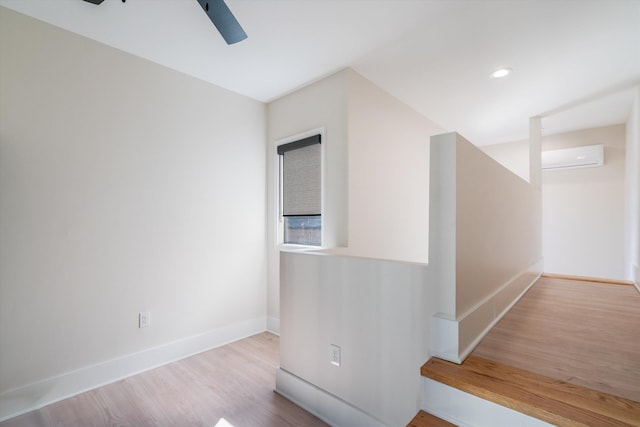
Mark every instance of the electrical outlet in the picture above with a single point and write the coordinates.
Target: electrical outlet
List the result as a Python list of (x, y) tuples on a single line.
[(144, 319), (334, 354)]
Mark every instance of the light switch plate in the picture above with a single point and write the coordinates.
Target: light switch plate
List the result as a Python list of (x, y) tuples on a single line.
[(335, 355)]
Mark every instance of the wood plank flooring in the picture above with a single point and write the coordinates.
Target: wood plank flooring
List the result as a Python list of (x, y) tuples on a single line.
[(234, 382), (580, 332), (424, 419), (548, 399), (567, 353)]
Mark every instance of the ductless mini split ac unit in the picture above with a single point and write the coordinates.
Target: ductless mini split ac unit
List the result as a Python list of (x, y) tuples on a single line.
[(572, 158)]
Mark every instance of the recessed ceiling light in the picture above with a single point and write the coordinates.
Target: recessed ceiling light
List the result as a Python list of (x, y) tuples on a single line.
[(502, 72)]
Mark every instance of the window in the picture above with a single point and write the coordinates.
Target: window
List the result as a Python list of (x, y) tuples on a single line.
[(300, 191)]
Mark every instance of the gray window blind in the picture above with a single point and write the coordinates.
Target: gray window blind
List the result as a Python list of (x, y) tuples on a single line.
[(301, 175)]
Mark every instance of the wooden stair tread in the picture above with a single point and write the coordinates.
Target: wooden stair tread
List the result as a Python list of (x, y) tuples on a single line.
[(424, 419), (550, 400)]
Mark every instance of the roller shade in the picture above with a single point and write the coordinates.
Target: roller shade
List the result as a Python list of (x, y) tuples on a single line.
[(301, 177)]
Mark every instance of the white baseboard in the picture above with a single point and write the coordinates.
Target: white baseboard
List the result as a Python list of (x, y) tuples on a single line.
[(466, 410), (444, 338), (329, 408), (478, 322), (37, 395), (455, 339), (273, 325), (636, 276)]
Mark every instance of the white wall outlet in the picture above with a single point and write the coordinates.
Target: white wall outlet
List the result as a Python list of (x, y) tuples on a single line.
[(334, 354), (144, 319)]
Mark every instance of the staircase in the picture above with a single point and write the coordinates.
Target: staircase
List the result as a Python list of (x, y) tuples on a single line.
[(561, 329), (549, 400), (424, 419)]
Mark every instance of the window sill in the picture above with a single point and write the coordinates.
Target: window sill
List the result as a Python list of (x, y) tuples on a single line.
[(288, 247)]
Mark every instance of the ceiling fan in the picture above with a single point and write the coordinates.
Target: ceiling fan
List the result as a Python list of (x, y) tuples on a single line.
[(219, 13)]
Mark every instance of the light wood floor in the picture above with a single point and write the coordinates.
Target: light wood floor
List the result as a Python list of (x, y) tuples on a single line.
[(424, 419), (584, 333), (234, 382), (554, 401)]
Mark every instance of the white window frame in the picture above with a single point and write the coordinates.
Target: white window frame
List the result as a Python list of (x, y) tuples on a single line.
[(279, 226)]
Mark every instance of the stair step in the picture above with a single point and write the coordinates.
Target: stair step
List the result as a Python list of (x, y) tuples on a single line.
[(424, 419), (554, 401)]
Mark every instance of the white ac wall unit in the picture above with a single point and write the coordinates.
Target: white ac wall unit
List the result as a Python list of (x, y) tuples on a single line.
[(572, 158)]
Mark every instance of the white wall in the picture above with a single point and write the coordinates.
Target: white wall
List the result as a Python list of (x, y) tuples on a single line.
[(124, 186), (632, 192), (377, 312), (388, 175), (498, 229), (487, 226), (376, 170), (322, 105), (485, 247), (583, 209), (512, 155), (376, 157)]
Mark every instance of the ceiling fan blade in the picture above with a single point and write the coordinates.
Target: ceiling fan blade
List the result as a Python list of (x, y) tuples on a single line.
[(223, 19), (94, 1)]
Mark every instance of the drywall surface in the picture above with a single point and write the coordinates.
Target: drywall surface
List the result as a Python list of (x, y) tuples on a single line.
[(583, 209), (376, 183), (486, 239), (497, 227), (376, 311), (512, 155), (388, 175), (321, 106), (124, 187), (375, 170), (632, 194)]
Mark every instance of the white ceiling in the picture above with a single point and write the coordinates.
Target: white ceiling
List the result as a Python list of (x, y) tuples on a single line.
[(574, 61)]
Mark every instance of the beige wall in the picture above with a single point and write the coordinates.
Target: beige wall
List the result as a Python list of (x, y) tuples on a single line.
[(486, 243), (632, 193), (124, 186), (498, 230), (321, 106), (512, 155), (377, 312), (583, 209), (388, 175), (376, 157), (483, 188), (376, 170)]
